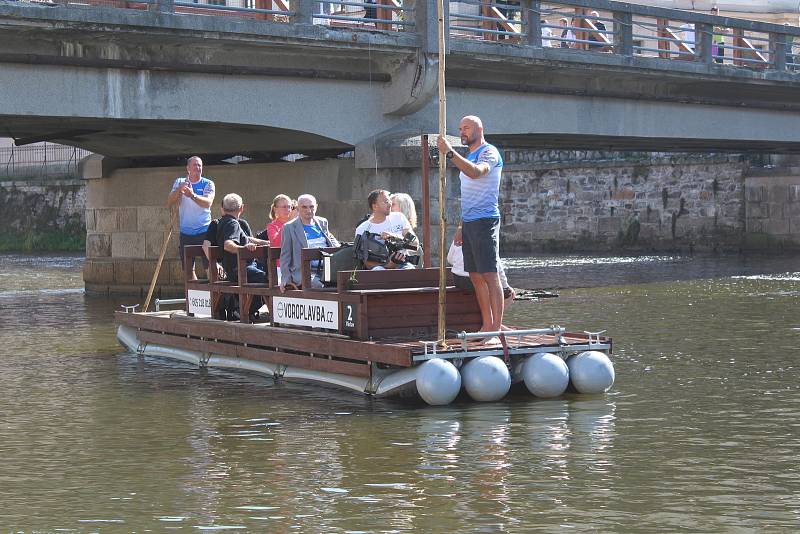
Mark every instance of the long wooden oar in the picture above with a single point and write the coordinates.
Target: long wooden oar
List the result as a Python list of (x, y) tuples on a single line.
[(168, 233), (442, 177)]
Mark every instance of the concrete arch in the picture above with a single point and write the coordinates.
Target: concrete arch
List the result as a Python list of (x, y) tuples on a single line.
[(172, 113)]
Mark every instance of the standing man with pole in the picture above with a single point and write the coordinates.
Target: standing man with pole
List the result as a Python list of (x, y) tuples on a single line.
[(194, 195), (480, 177)]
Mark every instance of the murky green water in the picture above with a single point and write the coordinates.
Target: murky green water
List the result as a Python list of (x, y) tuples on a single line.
[(700, 433)]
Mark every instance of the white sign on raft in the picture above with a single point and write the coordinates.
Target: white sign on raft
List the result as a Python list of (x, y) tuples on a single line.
[(199, 303), (306, 312)]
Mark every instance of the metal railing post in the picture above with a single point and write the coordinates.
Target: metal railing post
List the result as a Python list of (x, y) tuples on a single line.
[(303, 11), (703, 38), (623, 33), (778, 45), (426, 24), (531, 21)]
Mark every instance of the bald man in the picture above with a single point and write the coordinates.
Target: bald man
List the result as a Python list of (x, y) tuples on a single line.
[(479, 231), (194, 195)]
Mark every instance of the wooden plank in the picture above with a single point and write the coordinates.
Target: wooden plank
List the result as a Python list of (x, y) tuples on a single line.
[(214, 257), (273, 256), (209, 328), (258, 354), (378, 322), (190, 252), (307, 255), (313, 342), (410, 298), (200, 345), (306, 362), (391, 279), (334, 346)]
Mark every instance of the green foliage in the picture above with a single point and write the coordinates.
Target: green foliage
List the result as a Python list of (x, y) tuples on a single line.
[(54, 241)]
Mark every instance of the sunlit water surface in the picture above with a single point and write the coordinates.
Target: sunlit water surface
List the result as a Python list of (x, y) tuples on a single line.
[(701, 431)]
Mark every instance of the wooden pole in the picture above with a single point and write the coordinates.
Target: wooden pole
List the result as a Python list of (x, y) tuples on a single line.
[(426, 203), (442, 175), (168, 233)]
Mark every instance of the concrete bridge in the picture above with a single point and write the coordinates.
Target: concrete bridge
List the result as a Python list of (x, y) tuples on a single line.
[(155, 79)]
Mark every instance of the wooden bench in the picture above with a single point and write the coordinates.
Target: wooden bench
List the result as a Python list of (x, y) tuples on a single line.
[(399, 303), (394, 303)]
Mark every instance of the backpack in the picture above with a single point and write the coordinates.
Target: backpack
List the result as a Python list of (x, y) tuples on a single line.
[(343, 259), (369, 247)]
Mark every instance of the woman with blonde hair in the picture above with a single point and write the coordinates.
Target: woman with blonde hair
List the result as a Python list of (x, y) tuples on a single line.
[(280, 212), (403, 203)]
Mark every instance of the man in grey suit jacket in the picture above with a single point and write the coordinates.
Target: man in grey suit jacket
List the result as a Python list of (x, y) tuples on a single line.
[(306, 231)]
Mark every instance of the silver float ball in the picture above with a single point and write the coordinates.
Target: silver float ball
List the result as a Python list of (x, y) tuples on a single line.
[(591, 372), (486, 378), (438, 382), (545, 375)]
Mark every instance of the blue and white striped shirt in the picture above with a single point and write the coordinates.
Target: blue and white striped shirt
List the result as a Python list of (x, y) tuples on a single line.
[(479, 197)]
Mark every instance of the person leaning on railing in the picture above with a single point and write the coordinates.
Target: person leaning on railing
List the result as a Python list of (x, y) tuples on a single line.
[(718, 39), (567, 34)]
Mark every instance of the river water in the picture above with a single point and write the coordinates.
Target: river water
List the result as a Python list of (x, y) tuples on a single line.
[(700, 433)]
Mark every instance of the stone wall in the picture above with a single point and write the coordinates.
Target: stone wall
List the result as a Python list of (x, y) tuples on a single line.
[(773, 211), (31, 210), (636, 202)]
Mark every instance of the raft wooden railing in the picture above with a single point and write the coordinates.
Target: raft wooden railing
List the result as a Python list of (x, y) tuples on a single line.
[(389, 279), (307, 257), (387, 303)]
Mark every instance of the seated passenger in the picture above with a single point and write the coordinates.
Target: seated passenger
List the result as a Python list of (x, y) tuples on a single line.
[(388, 225), (403, 203), (281, 211), (234, 234), (210, 240), (306, 231), (455, 257)]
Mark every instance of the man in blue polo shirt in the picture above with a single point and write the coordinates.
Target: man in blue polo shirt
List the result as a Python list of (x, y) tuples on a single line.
[(194, 195), (479, 232)]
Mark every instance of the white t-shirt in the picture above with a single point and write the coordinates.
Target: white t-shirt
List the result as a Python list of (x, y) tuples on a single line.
[(395, 223), (455, 257)]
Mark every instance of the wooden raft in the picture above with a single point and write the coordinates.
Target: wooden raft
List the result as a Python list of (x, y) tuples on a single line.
[(396, 310)]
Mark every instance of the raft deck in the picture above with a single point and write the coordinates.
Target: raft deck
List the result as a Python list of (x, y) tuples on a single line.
[(331, 352), (383, 318)]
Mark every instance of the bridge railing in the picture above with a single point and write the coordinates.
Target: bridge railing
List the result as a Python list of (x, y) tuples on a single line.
[(388, 15), (489, 20), (377, 14), (594, 26), (610, 27), (40, 161)]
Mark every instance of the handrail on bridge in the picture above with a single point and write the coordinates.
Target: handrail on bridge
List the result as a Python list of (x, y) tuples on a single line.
[(595, 26)]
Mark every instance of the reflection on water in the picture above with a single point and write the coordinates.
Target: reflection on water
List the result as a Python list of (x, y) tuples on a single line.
[(698, 434)]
